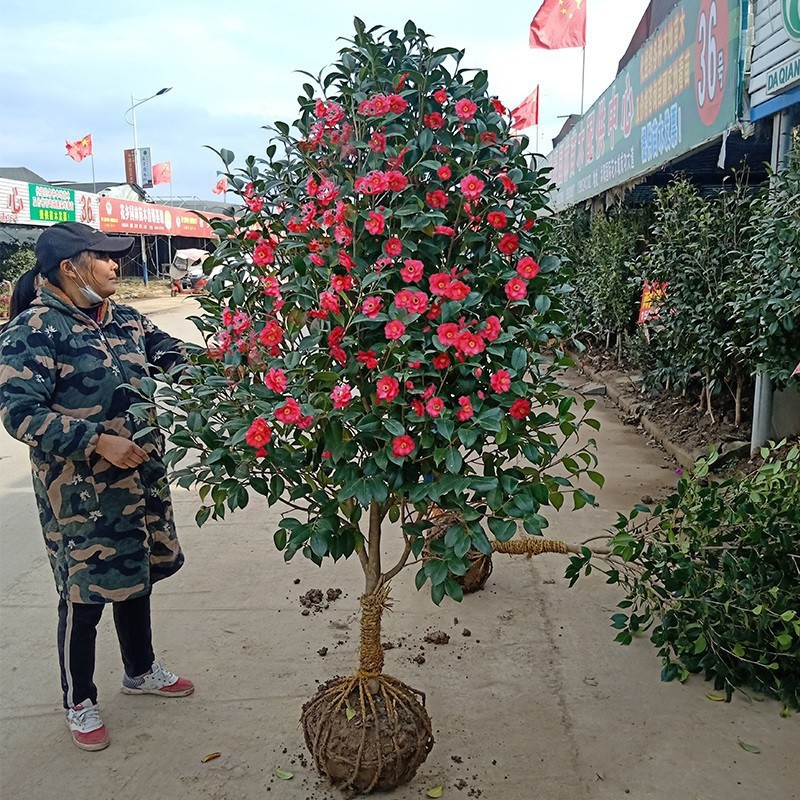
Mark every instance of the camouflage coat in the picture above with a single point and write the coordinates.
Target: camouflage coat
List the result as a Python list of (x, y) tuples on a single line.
[(109, 531)]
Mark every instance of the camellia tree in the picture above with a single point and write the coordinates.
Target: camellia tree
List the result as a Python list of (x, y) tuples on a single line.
[(376, 341)]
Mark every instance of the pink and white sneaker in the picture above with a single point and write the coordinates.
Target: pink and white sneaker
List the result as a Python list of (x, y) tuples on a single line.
[(158, 681), (88, 731)]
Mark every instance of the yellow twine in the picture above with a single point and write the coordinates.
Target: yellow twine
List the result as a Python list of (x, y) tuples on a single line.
[(370, 652), (530, 547)]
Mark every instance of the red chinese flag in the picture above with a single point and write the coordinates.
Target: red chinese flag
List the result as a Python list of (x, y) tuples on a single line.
[(162, 173), (527, 112), (78, 150), (559, 23), (221, 186)]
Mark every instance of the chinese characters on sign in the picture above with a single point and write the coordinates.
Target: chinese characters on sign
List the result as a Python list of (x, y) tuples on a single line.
[(677, 93)]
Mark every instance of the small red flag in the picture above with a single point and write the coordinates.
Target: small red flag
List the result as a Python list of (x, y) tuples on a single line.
[(221, 186), (527, 112), (81, 148), (162, 173), (559, 23)]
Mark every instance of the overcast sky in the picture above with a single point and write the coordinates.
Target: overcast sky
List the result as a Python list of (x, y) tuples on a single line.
[(70, 68)]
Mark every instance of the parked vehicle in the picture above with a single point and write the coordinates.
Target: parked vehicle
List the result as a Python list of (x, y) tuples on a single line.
[(186, 271)]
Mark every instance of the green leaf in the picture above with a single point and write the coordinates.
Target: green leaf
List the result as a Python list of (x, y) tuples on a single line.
[(436, 791), (282, 774), (751, 748), (715, 697), (453, 460), (503, 529)]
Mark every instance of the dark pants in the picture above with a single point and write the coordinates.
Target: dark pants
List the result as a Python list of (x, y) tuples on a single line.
[(77, 633)]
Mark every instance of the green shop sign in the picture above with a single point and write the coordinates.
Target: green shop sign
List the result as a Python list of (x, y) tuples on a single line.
[(678, 92), (51, 204), (791, 17)]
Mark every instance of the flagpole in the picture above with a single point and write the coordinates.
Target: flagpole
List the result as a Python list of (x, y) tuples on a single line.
[(94, 182), (537, 137), (583, 76)]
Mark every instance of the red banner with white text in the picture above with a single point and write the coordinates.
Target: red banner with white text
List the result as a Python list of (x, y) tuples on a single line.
[(129, 216)]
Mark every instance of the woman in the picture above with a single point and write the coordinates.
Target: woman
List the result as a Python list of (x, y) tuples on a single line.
[(70, 363)]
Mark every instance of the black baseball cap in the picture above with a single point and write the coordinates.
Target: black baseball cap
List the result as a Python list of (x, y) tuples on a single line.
[(67, 239)]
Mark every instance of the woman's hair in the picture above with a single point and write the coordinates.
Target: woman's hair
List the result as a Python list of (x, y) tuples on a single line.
[(26, 287)]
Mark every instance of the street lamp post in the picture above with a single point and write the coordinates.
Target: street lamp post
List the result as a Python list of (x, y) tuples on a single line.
[(137, 160)]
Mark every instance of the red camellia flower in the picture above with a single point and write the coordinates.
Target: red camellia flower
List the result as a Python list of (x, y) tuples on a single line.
[(394, 329), (440, 96), (445, 230), (516, 289), (396, 181), (457, 290), (434, 121), (447, 333), (329, 301), (341, 395), (488, 137), (387, 388), (402, 446), (412, 270), (418, 304), (377, 142), (435, 406), (259, 433), (327, 193), (528, 224), (441, 361), (393, 246), (271, 334), (367, 358), (520, 408), (317, 259), (527, 268), (343, 234), (508, 184), (375, 223), (263, 254), (346, 260), (466, 411), (471, 187), (404, 298), (275, 380), (436, 199), (500, 381), (439, 282), (508, 244), (470, 343), (492, 328), (498, 106), (397, 104), (497, 219), (418, 407), (465, 109), (289, 413), (341, 283), (371, 306), (444, 172)]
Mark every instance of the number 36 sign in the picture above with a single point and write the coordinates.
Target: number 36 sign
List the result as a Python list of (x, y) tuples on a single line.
[(711, 67)]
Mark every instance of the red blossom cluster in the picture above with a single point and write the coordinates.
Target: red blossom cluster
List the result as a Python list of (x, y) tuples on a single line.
[(335, 222)]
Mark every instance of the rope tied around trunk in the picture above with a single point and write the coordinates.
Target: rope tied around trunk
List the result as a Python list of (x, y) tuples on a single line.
[(370, 651), (530, 547)]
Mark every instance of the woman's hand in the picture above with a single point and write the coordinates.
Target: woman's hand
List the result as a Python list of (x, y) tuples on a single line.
[(121, 452)]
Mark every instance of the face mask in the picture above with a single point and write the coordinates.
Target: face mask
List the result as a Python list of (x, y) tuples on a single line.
[(87, 292)]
